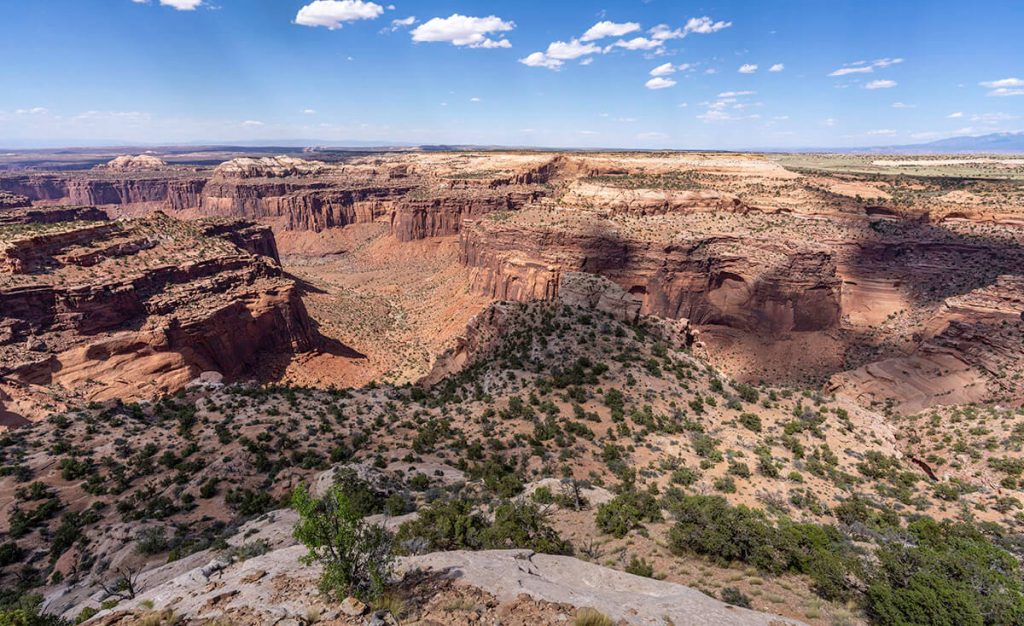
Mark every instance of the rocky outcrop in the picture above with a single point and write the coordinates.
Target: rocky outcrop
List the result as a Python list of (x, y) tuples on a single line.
[(564, 579), (269, 167), (139, 308), (276, 588), (52, 214), (13, 201), (753, 284), (442, 215), (969, 351), (130, 162), (173, 191)]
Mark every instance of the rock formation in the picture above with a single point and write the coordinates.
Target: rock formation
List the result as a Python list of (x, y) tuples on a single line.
[(129, 162), (138, 308)]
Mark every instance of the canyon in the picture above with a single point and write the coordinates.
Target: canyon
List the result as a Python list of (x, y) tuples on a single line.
[(831, 344), (792, 272)]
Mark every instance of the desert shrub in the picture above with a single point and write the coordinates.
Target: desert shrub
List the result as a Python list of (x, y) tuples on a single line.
[(592, 617), (750, 421), (640, 567), (26, 610), (627, 511), (523, 525), (356, 556), (443, 525), (708, 525), (735, 597), (947, 573)]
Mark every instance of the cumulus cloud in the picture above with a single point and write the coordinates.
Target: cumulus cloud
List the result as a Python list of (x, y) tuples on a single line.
[(704, 25), (180, 5), (333, 14), (1005, 87), (735, 94), (699, 25), (778, 67), (881, 84), (863, 67), (638, 43), (404, 22), (463, 30), (659, 82), (558, 53), (747, 68), (663, 70), (606, 29), (955, 115)]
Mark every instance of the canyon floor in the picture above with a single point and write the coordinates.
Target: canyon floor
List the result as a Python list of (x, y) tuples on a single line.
[(752, 376)]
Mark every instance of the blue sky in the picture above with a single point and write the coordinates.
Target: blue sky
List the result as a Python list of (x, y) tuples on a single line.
[(558, 73)]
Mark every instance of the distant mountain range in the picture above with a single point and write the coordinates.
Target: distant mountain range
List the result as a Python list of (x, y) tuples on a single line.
[(992, 143)]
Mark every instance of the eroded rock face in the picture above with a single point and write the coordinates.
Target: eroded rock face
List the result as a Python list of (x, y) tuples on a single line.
[(755, 284), (969, 352), (134, 309)]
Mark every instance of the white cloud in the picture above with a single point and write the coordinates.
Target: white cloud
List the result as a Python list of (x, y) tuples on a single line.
[(956, 115), (252, 123), (862, 67), (638, 43), (474, 99), (587, 61), (778, 67), (558, 53), (747, 68), (735, 94), (539, 59), (659, 83), (902, 105), (333, 14), (32, 111), (829, 121), (992, 118), (462, 30), (663, 70), (1005, 82), (704, 25), (881, 84), (605, 29), (403, 22), (180, 5), (881, 132), (699, 25), (309, 111), (662, 32), (886, 62), (1005, 87), (1006, 91)]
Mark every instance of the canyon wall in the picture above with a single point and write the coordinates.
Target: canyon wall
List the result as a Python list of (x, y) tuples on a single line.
[(773, 287), (134, 309)]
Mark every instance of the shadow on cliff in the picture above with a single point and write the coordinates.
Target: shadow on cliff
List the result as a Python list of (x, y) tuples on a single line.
[(931, 262)]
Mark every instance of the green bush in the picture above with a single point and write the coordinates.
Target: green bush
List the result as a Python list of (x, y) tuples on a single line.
[(947, 574), (523, 525), (708, 525), (356, 557), (627, 511), (443, 525)]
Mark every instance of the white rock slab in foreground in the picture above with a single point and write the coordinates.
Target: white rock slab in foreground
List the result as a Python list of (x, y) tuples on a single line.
[(562, 579)]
